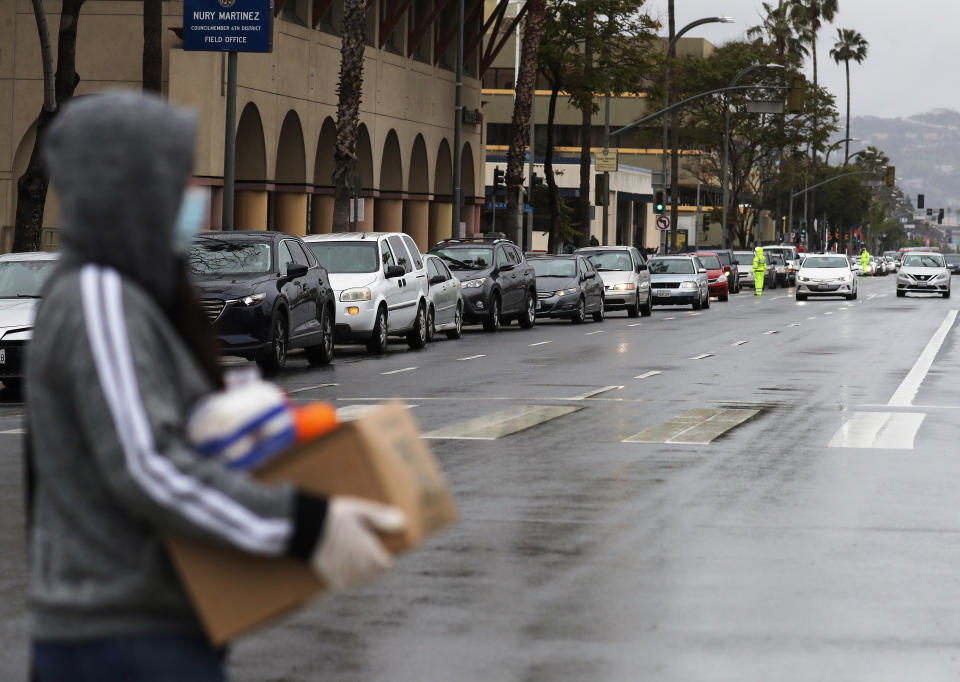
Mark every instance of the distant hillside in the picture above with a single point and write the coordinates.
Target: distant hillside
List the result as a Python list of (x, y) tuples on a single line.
[(925, 148)]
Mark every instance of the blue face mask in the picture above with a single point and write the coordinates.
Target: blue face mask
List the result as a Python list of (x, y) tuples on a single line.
[(194, 211)]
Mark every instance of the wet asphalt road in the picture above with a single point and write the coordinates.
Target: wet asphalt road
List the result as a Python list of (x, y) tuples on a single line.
[(819, 539)]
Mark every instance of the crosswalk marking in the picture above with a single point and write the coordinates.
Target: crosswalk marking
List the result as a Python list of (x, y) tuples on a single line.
[(882, 430), (907, 391), (695, 427), (351, 412), (500, 424)]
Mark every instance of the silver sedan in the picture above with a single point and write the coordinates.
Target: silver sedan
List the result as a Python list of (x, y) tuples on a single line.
[(923, 273), (679, 280)]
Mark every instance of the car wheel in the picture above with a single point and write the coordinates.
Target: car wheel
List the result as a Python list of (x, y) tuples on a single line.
[(581, 314), (706, 301), (901, 294), (378, 337), (698, 304), (275, 358), (852, 297), (457, 324), (598, 316), (417, 337), (528, 317), (322, 353), (634, 310), (946, 294), (431, 324), (801, 297), (723, 298), (492, 322), (647, 308)]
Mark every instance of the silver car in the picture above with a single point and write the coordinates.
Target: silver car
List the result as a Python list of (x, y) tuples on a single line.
[(22, 276), (791, 265), (626, 280), (745, 267), (826, 275), (923, 273), (679, 280), (446, 299)]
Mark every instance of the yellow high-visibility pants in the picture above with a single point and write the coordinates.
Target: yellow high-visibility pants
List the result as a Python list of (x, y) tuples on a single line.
[(758, 282)]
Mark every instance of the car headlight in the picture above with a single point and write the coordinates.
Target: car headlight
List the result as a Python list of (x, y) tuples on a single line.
[(904, 277), (566, 292), (355, 294), (624, 286), (942, 275), (252, 299), (473, 283), (803, 278), (688, 285), (844, 278)]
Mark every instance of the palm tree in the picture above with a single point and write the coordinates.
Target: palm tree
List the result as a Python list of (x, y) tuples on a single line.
[(349, 94), (850, 45), (810, 14), (782, 31)]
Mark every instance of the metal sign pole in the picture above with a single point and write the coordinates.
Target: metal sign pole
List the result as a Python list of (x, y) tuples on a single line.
[(230, 143)]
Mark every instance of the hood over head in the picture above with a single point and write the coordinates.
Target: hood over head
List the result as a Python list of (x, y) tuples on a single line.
[(120, 162), (758, 250)]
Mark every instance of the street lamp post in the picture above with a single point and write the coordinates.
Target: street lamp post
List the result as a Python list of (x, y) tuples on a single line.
[(835, 146), (726, 145), (671, 55)]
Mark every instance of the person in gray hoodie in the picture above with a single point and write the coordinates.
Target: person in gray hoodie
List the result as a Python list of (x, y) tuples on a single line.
[(121, 351)]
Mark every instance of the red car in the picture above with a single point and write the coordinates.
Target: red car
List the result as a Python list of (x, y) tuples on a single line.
[(717, 278)]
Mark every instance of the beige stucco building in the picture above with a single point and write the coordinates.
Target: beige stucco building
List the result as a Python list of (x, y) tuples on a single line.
[(286, 108)]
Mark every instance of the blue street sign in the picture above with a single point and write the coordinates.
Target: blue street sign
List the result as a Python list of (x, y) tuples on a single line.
[(228, 25)]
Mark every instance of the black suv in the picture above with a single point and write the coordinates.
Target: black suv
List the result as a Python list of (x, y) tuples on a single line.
[(498, 283), (265, 292)]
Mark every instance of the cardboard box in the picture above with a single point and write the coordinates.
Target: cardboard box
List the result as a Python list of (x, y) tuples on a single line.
[(379, 456)]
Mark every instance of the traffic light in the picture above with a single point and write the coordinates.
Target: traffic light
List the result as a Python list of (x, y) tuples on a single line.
[(940, 217), (919, 201), (796, 95), (659, 206), (929, 211), (706, 222), (498, 176), (891, 179)]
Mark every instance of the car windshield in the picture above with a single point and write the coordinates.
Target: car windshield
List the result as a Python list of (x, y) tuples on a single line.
[(825, 262), (208, 257), (710, 262), (346, 257), (554, 267), (24, 278), (671, 266), (953, 258), (743, 258), (466, 258), (610, 260), (923, 260), (724, 258), (786, 254)]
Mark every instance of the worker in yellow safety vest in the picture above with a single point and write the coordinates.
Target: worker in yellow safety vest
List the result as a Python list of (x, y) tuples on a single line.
[(864, 261), (759, 271)]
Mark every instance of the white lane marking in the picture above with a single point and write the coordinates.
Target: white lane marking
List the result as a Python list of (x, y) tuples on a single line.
[(635, 324), (695, 427), (881, 430), (795, 324), (13, 432), (471, 357), (702, 356), (669, 318), (540, 343), (829, 312), (500, 424), (907, 391), (693, 314), (739, 343), (399, 371), (599, 331), (871, 297), (350, 412), (772, 331), (647, 375), (882, 296), (812, 318), (596, 391), (310, 388)]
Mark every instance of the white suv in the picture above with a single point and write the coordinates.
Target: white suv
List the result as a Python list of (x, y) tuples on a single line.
[(380, 283)]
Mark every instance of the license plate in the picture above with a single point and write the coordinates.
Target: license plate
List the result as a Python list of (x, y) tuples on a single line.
[(921, 284), (3, 356), (823, 287), (663, 293)]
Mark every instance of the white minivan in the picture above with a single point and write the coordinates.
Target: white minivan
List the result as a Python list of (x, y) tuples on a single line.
[(381, 285)]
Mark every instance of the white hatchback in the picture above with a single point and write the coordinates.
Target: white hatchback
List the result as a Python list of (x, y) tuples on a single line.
[(826, 275), (381, 286)]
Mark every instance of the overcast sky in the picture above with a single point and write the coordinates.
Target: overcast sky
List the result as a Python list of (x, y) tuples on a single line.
[(911, 61)]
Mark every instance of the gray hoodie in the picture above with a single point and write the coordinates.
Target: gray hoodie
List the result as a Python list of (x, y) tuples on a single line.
[(110, 384)]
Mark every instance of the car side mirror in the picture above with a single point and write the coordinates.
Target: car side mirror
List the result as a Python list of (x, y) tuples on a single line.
[(438, 279), (394, 271), (505, 267), (295, 270), (641, 267), (701, 270)]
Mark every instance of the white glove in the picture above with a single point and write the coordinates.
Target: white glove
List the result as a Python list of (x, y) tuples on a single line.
[(350, 554)]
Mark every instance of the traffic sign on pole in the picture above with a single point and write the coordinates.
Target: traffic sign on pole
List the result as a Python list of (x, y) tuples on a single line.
[(228, 25), (663, 222)]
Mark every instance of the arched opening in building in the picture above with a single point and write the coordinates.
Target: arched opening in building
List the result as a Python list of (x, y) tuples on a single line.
[(321, 206), (469, 211), (416, 207), (389, 206), (251, 198), (441, 208), (290, 206)]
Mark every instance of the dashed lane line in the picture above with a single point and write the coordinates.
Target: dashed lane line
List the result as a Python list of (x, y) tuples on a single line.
[(812, 318), (13, 432), (500, 424), (702, 356), (471, 357), (700, 426), (399, 371), (540, 343), (635, 324), (647, 375), (739, 343), (795, 324), (772, 331), (599, 331), (311, 388), (907, 391), (882, 430)]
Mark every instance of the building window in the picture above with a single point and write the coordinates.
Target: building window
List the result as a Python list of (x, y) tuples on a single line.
[(372, 13), (395, 41), (295, 11), (420, 11), (332, 20)]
